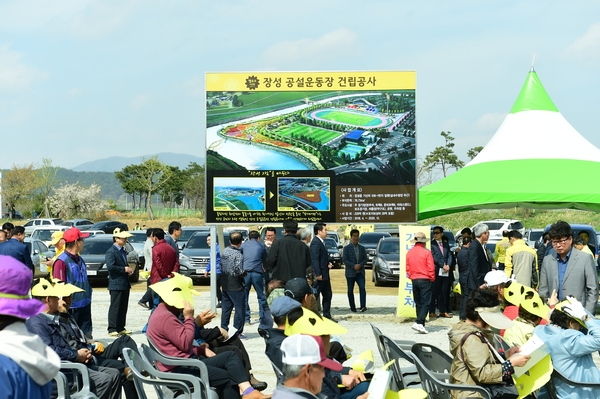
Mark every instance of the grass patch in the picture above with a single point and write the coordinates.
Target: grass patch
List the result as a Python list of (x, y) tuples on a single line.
[(349, 118), (322, 135)]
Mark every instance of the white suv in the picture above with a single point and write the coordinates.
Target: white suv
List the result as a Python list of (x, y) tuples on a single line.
[(37, 223), (497, 226)]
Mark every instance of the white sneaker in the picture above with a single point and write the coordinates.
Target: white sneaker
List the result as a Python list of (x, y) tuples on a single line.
[(419, 328)]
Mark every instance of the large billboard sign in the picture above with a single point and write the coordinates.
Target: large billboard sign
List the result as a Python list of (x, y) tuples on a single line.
[(313, 146)]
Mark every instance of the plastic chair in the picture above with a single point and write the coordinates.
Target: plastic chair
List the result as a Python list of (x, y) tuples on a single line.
[(435, 359), (439, 389), (153, 355), (80, 387), (404, 344), (557, 376), (145, 374), (278, 373), (403, 377)]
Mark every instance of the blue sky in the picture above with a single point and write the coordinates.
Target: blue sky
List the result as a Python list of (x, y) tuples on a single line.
[(83, 79)]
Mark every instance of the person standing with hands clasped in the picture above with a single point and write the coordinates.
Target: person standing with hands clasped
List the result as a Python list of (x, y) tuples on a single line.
[(118, 283), (354, 257)]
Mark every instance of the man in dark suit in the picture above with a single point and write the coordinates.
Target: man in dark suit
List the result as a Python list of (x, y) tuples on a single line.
[(320, 264), (442, 258), (354, 257), (479, 264), (567, 270), (462, 258), (15, 247), (118, 283)]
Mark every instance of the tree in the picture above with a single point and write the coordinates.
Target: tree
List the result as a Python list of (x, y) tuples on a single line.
[(194, 187), (443, 156), (473, 152), (47, 178), (19, 185), (72, 200)]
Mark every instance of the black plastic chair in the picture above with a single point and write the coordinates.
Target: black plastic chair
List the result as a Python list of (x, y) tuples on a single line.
[(557, 376), (145, 374), (439, 389), (153, 355), (435, 359), (403, 377)]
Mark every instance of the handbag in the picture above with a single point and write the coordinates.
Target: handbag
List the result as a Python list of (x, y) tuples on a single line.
[(497, 391)]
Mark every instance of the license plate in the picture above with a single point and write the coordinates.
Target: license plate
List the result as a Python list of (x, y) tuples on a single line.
[(395, 271), (92, 272), (198, 271)]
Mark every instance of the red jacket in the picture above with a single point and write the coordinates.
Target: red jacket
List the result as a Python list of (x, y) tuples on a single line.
[(419, 263), (164, 262)]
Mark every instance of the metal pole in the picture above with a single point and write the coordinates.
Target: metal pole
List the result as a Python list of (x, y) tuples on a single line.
[(213, 269)]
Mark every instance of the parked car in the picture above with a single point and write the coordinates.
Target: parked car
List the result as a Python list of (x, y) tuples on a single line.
[(244, 231), (77, 222), (370, 240), (35, 223), (187, 232), (386, 264), (578, 228), (39, 253), (334, 236), (533, 237), (93, 254), (107, 226), (335, 257), (194, 257), (137, 241), (497, 226), (44, 233)]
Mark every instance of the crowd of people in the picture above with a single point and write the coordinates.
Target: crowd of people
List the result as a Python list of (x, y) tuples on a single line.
[(48, 320)]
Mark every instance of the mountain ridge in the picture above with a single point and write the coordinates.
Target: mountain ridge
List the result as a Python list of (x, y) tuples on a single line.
[(113, 164)]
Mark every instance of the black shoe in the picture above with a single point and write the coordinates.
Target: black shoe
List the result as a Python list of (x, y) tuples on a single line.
[(144, 305), (219, 305), (363, 309), (331, 318), (256, 384), (353, 310)]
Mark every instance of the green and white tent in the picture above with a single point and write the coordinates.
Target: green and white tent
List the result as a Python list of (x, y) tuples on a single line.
[(535, 160)]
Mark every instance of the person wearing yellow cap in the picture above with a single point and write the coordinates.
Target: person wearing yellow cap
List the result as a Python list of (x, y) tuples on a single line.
[(59, 245), (47, 325), (176, 338), (118, 283), (571, 349), (532, 311)]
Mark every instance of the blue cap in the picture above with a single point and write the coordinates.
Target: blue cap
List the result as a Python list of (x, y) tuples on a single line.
[(283, 305)]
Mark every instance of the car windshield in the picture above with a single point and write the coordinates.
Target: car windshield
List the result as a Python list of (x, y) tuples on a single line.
[(370, 238), (197, 242), (494, 225), (330, 243), (137, 238), (44, 235), (389, 247), (535, 235), (186, 234), (96, 247)]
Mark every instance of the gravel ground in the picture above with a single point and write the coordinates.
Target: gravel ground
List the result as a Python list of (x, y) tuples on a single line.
[(381, 309)]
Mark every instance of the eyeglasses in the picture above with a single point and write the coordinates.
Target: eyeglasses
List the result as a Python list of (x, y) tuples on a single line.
[(560, 242), (437, 232)]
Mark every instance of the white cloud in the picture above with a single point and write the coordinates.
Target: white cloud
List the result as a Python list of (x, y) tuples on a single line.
[(311, 52), (14, 74), (587, 46), (140, 102), (489, 122)]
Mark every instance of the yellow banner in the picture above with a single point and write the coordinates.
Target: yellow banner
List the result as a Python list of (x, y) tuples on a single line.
[(406, 303), (311, 81)]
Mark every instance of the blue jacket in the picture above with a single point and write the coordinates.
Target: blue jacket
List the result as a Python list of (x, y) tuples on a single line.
[(45, 326), (349, 259), (255, 256), (218, 249), (17, 384), (77, 275), (118, 279), (571, 353), (17, 250)]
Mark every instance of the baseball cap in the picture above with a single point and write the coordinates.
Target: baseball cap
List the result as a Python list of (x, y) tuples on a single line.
[(494, 317), (419, 237), (56, 237), (495, 277), (297, 288), (15, 299), (74, 234), (283, 305), (300, 349), (121, 234)]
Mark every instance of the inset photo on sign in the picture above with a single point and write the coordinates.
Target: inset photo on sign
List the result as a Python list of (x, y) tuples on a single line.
[(239, 194), (304, 194)]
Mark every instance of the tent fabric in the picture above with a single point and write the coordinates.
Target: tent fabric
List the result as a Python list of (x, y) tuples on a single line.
[(547, 164)]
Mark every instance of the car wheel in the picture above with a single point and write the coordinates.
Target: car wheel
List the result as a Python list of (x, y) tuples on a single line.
[(377, 282)]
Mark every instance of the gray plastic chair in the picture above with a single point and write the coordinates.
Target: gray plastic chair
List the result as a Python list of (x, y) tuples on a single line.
[(153, 355), (80, 388), (439, 389), (145, 374), (435, 359), (403, 377), (556, 375)]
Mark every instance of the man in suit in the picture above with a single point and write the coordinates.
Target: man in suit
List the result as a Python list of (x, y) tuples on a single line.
[(479, 263), (321, 265), (442, 258), (118, 283), (288, 257), (15, 247), (568, 271), (354, 257)]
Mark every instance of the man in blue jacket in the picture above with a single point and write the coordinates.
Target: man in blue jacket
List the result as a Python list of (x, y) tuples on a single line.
[(16, 248), (118, 283)]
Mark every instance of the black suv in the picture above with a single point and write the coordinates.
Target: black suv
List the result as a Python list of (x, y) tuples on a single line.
[(93, 254)]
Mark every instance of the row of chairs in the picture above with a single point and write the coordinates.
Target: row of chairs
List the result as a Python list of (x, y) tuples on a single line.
[(429, 369)]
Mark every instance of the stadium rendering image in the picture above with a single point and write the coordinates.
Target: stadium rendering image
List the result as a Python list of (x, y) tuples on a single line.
[(364, 138)]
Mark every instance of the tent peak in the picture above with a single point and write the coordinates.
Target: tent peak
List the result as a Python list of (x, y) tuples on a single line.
[(533, 96)]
